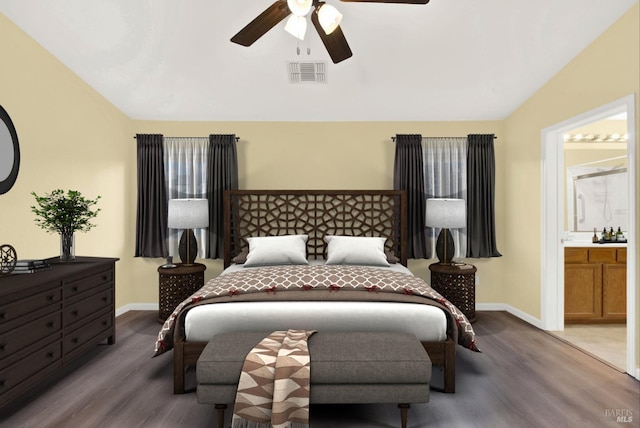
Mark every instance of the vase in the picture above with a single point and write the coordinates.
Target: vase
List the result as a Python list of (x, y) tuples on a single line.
[(67, 247)]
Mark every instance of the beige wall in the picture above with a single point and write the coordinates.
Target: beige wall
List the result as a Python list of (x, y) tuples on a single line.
[(73, 138), (605, 71), (70, 138), (321, 155)]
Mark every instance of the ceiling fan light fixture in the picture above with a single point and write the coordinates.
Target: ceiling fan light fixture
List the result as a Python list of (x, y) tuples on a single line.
[(329, 18), (299, 7), (296, 26)]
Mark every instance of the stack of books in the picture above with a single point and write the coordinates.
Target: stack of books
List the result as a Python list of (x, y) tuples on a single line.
[(31, 266)]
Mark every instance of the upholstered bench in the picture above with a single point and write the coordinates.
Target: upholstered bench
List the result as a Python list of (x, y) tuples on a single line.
[(346, 367)]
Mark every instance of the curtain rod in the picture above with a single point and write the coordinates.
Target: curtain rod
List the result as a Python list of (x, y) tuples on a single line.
[(394, 138), (237, 138)]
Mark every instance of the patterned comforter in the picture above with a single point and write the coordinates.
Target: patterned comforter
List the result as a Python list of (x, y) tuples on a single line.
[(314, 283)]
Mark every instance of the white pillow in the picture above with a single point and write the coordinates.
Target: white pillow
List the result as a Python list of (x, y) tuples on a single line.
[(277, 250), (356, 250)]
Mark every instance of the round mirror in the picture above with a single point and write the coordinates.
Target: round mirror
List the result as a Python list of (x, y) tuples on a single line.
[(9, 152)]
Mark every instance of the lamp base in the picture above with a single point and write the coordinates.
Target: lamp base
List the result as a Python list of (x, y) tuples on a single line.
[(188, 247), (445, 248)]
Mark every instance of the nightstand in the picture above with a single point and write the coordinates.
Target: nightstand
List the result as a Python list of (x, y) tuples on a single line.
[(176, 284), (457, 284)]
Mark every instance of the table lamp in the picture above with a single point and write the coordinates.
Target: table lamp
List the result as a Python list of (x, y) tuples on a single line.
[(446, 214), (188, 214)]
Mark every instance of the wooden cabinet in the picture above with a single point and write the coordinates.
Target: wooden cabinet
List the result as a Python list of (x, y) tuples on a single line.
[(595, 284), (51, 317)]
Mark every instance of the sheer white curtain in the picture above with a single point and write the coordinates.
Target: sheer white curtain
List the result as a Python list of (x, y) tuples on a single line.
[(445, 176), (186, 173)]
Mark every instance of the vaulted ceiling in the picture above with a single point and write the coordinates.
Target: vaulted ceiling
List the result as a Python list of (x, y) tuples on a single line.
[(447, 60)]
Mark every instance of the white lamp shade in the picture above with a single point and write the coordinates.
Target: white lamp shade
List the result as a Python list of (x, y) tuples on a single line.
[(188, 213), (299, 7), (296, 26), (329, 18), (446, 213)]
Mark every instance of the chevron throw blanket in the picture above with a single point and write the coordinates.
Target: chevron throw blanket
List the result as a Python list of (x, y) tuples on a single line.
[(274, 384)]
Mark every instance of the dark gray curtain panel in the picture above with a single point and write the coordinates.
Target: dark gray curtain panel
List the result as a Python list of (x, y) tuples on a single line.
[(481, 230), (408, 175), (223, 175), (151, 215)]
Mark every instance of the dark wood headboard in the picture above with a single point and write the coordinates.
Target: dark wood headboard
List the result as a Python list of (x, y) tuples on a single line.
[(315, 213)]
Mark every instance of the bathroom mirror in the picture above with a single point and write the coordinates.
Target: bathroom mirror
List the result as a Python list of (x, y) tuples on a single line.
[(9, 152), (596, 176)]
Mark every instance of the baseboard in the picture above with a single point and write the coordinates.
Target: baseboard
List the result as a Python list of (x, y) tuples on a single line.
[(137, 307), (510, 309)]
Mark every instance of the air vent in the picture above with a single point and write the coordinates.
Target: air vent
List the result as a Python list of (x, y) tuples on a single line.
[(307, 72)]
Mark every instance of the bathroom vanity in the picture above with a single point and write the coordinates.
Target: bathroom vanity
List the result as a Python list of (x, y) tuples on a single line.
[(595, 283)]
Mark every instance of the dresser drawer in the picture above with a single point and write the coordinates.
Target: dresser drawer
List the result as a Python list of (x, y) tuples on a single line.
[(30, 368), (89, 334), (91, 304), (26, 306), (16, 339), (75, 288)]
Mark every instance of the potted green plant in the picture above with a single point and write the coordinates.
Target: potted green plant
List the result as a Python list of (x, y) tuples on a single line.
[(65, 214)]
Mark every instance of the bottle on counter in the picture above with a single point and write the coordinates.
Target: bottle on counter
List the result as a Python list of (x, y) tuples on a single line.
[(619, 236), (612, 235), (595, 236), (604, 234)]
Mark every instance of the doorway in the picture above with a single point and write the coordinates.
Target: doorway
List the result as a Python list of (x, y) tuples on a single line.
[(553, 220)]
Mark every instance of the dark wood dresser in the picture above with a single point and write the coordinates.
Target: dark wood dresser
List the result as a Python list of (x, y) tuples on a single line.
[(51, 317)]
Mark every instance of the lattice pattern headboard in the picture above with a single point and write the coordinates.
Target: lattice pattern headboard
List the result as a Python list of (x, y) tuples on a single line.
[(315, 213)]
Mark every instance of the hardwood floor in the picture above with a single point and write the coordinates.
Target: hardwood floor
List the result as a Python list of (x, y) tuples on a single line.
[(524, 377)]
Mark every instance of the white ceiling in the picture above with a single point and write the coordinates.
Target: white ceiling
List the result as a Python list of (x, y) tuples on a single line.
[(447, 60)]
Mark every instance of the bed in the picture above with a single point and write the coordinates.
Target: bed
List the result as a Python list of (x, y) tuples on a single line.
[(327, 219)]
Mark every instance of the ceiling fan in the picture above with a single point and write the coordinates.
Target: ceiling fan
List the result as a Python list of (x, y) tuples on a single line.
[(325, 18)]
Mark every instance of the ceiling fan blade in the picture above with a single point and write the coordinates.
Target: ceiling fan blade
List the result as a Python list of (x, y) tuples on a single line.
[(335, 42), (389, 1), (262, 23)]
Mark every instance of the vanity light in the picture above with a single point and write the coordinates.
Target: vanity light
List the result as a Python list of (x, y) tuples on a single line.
[(598, 138)]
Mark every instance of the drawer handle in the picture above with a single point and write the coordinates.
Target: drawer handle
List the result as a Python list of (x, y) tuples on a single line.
[(50, 354), (75, 340), (74, 313), (1, 315), (2, 347), (104, 278), (50, 324), (105, 298), (1, 384), (51, 298), (74, 288), (105, 322)]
